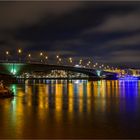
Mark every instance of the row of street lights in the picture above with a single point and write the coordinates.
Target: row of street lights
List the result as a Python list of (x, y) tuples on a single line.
[(8, 54), (59, 61)]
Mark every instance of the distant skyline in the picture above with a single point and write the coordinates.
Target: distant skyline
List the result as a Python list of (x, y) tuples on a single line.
[(107, 32)]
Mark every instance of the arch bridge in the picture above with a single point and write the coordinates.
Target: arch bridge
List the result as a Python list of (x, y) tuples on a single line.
[(17, 69)]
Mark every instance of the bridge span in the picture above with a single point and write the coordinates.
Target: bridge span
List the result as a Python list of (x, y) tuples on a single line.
[(19, 69)]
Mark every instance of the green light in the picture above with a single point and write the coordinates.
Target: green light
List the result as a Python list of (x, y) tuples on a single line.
[(13, 68), (98, 73), (13, 71), (14, 88)]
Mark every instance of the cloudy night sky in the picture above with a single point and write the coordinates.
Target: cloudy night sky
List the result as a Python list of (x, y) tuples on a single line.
[(106, 32)]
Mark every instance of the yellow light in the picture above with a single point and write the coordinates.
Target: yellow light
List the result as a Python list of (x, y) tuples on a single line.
[(70, 59), (7, 52), (41, 54), (60, 59), (46, 57), (29, 55), (57, 56), (19, 50), (70, 96)]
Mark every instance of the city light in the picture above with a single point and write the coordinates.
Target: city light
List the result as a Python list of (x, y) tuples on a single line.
[(60, 59), (29, 55), (7, 52), (19, 51), (7, 55), (69, 69), (41, 53), (128, 78), (80, 62), (89, 62), (70, 59)]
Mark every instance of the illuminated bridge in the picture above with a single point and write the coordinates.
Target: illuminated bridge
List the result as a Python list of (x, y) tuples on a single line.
[(40, 70)]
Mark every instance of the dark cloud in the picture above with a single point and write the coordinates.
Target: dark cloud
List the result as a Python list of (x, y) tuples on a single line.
[(18, 14), (107, 32)]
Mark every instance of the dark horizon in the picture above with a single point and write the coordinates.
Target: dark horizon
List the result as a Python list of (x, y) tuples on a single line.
[(106, 32)]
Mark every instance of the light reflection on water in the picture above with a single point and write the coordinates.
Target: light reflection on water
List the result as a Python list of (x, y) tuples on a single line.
[(72, 109)]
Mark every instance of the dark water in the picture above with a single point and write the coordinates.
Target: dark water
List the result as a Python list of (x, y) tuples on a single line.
[(78, 109)]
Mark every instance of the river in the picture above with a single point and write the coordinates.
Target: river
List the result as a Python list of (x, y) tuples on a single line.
[(72, 109)]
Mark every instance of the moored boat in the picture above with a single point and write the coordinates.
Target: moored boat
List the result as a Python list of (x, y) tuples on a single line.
[(5, 92)]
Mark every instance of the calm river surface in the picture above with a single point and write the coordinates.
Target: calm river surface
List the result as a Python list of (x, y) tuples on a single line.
[(74, 109)]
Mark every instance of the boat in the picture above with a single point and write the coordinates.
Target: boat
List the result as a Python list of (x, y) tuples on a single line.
[(5, 92)]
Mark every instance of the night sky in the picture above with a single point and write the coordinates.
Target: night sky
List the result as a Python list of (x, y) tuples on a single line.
[(107, 32)]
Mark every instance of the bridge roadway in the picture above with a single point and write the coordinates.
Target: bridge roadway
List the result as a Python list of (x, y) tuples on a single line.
[(17, 68)]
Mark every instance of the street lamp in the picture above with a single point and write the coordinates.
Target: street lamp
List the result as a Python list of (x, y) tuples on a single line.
[(19, 53), (7, 54), (41, 54), (29, 56), (112, 68), (59, 60), (46, 58), (80, 62), (108, 67), (70, 60), (88, 64), (57, 56)]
